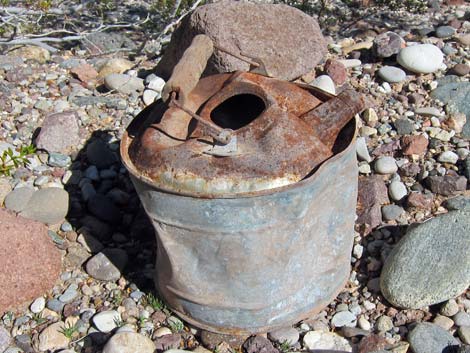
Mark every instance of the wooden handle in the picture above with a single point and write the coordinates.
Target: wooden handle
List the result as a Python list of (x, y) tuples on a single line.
[(187, 73)]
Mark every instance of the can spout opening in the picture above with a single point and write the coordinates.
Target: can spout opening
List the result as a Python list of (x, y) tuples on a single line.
[(237, 111)]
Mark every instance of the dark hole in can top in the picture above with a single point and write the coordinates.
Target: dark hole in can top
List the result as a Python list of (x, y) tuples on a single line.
[(238, 111)]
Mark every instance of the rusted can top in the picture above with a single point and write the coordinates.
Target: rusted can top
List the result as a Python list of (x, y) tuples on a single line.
[(276, 133)]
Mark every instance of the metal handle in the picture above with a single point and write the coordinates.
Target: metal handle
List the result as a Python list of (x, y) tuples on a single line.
[(223, 136)]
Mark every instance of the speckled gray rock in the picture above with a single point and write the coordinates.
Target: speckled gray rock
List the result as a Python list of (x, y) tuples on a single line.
[(107, 265), (48, 205), (430, 338), (427, 268), (254, 30), (445, 31), (391, 74), (458, 203), (18, 199)]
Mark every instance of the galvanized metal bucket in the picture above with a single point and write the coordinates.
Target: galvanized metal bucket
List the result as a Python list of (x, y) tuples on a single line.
[(254, 220), (247, 263)]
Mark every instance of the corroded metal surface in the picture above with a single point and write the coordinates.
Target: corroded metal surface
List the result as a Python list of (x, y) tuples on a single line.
[(249, 263), (283, 132)]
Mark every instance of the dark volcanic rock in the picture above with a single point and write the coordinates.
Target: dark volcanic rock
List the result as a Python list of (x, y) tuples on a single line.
[(446, 185)]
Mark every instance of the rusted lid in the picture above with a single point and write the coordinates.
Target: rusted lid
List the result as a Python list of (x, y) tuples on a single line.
[(280, 132)]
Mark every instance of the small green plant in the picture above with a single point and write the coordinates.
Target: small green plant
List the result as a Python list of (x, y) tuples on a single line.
[(142, 321), (69, 330), (118, 322), (155, 302), (37, 317), (117, 297), (176, 325), (284, 347), (43, 5), (9, 160), (8, 317)]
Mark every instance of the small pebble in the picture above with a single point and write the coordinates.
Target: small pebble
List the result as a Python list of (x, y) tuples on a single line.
[(445, 31), (325, 83), (450, 308), (384, 324), (343, 318), (386, 165), (38, 305), (106, 321), (397, 190), (392, 74), (461, 319), (448, 157)]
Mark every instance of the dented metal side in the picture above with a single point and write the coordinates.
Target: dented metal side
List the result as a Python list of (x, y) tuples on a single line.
[(249, 263)]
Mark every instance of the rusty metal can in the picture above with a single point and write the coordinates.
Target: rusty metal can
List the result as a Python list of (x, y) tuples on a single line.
[(251, 262)]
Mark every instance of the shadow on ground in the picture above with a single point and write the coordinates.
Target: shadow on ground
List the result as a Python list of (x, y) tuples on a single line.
[(105, 209)]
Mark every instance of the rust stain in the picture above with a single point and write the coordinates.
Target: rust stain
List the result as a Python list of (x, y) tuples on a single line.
[(283, 132)]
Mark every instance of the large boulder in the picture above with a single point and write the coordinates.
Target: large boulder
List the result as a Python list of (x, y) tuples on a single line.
[(289, 42), (29, 261)]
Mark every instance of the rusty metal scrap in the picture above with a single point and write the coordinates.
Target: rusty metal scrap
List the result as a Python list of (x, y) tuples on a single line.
[(283, 132)]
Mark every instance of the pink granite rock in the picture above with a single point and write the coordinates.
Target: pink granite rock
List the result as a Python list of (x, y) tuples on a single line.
[(288, 41), (30, 264), (59, 133)]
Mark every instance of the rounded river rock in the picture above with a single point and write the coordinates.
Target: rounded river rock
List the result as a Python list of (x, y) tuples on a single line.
[(430, 264)]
